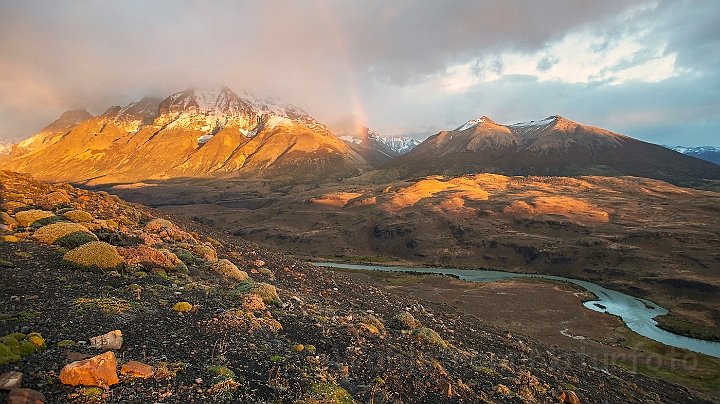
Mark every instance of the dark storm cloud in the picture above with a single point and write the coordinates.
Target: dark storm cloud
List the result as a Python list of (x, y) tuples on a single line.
[(328, 57)]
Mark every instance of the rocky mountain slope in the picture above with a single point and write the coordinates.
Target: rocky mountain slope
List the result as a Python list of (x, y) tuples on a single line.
[(191, 314), (190, 133), (708, 153), (553, 146)]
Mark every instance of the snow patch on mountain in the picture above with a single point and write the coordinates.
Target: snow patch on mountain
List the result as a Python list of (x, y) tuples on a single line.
[(707, 153), (5, 148), (400, 144)]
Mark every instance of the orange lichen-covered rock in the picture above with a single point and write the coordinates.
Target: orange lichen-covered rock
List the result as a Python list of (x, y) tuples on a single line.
[(137, 369), (100, 370)]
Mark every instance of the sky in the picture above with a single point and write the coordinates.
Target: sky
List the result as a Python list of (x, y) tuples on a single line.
[(646, 69)]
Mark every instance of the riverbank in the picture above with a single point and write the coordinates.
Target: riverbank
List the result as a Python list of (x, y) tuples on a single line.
[(554, 314)]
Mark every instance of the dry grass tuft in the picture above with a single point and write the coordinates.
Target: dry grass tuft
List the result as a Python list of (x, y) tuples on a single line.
[(27, 217), (53, 232)]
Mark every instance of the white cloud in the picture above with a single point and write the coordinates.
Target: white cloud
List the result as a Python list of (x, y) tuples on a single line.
[(580, 57)]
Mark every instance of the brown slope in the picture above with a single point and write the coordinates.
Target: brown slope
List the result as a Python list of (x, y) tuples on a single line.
[(289, 148), (52, 133), (555, 146)]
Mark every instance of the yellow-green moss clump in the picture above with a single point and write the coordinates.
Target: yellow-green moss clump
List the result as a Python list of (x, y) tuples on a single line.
[(78, 216), (68, 235), (27, 217), (94, 256), (229, 270), (15, 346), (428, 335), (182, 307), (266, 291)]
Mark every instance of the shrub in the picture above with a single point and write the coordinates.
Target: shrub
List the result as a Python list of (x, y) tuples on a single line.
[(7, 219), (78, 216), (267, 292), (68, 235), (229, 270), (428, 335), (205, 251), (253, 302), (182, 307), (266, 272), (373, 324), (148, 256), (28, 217), (157, 224), (184, 255), (221, 372), (94, 256), (404, 321)]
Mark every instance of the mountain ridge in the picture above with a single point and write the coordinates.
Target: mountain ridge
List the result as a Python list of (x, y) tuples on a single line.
[(157, 139), (552, 146)]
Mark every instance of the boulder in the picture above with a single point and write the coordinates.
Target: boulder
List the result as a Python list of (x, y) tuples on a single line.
[(100, 370), (136, 369), (25, 396), (111, 340), (11, 380)]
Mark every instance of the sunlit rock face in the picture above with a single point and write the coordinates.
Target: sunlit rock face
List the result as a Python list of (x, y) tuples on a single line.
[(552, 146), (195, 133)]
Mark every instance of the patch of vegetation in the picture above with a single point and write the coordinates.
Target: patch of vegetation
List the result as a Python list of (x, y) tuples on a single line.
[(108, 305), (97, 256), (357, 259), (267, 292), (428, 335), (15, 346), (182, 307), (327, 393), (373, 324), (688, 329), (404, 321)]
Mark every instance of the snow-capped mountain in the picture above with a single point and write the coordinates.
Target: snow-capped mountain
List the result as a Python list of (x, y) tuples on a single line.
[(707, 153), (191, 133), (552, 146), (209, 111), (400, 144)]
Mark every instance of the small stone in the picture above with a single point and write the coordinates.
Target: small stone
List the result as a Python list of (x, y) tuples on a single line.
[(100, 370), (25, 330), (446, 388), (76, 356), (111, 340), (11, 380), (570, 397), (198, 380), (137, 369), (25, 396)]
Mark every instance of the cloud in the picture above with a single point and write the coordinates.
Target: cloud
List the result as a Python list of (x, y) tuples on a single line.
[(406, 67)]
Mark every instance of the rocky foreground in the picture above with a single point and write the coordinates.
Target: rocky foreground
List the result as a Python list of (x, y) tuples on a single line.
[(106, 301)]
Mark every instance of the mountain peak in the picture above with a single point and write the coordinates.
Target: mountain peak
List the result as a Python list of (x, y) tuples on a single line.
[(475, 122)]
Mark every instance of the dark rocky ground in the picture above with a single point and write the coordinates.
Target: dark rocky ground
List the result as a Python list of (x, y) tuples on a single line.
[(480, 362)]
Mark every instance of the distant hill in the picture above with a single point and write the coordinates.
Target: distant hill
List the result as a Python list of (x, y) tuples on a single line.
[(553, 146), (707, 153), (192, 133)]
